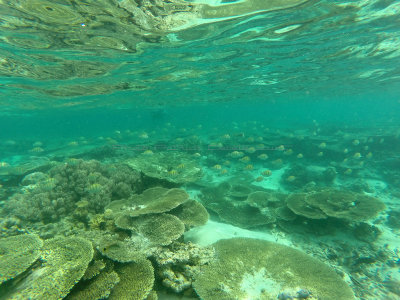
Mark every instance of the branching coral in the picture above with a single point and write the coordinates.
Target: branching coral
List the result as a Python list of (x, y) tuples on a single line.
[(77, 188), (178, 264)]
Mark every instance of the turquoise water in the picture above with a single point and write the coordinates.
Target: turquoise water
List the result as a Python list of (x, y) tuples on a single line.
[(146, 146)]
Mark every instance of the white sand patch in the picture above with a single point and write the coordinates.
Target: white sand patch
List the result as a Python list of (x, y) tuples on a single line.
[(256, 284), (214, 231), (377, 185)]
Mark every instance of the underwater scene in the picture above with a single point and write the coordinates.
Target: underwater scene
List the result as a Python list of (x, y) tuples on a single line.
[(206, 149)]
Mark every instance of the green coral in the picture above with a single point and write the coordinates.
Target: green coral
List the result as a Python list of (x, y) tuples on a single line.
[(158, 229), (271, 204), (98, 288), (136, 281), (153, 200), (94, 269), (234, 209), (299, 205), (177, 264), (120, 251), (172, 166), (340, 204), (17, 253), (239, 191), (262, 199), (256, 269), (192, 213), (242, 215), (64, 261), (77, 188)]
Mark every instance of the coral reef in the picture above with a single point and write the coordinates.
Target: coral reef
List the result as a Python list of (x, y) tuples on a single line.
[(64, 261), (171, 166), (18, 253), (94, 269), (153, 200), (341, 204), (297, 176), (178, 264), (98, 288), (192, 213), (77, 188), (136, 280), (246, 206), (158, 229), (257, 269), (119, 250), (271, 204)]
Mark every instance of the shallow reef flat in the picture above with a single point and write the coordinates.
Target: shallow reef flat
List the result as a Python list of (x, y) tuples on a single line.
[(253, 213)]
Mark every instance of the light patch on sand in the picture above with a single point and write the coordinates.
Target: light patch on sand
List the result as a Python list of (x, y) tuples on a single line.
[(377, 185), (213, 231), (272, 182)]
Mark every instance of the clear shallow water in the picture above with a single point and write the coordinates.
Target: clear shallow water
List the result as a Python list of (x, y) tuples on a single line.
[(305, 91)]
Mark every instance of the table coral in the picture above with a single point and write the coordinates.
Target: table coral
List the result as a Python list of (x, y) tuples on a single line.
[(118, 250), (160, 164), (17, 254), (64, 261), (153, 200), (136, 280), (341, 204), (257, 269), (159, 229), (192, 213), (98, 288)]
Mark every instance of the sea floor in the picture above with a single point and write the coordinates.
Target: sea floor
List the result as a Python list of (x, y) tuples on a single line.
[(332, 194)]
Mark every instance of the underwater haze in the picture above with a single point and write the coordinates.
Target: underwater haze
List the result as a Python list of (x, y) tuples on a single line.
[(207, 149)]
